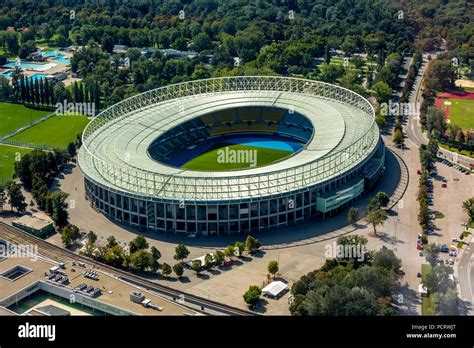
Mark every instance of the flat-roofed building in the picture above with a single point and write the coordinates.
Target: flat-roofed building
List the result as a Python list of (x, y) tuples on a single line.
[(34, 225)]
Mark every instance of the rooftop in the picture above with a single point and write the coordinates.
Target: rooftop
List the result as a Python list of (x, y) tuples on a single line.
[(116, 142), (114, 291), (32, 222)]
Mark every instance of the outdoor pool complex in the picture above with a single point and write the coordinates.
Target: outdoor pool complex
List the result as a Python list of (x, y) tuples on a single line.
[(32, 66), (34, 77), (59, 57), (151, 161)]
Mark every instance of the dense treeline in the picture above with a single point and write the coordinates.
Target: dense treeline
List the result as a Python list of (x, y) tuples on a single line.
[(359, 284), (266, 37), (441, 21)]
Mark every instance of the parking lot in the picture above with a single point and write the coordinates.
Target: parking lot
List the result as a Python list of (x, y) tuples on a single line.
[(450, 186)]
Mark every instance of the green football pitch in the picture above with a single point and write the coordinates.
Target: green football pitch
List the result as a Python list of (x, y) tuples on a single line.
[(55, 132), (8, 156), (15, 116), (225, 157), (461, 113)]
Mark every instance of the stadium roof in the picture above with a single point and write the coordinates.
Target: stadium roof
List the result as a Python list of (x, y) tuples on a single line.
[(116, 142)]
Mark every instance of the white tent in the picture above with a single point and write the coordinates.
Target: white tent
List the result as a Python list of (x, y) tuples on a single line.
[(274, 288)]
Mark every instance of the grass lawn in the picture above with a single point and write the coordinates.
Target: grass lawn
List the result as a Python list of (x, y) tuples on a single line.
[(455, 149), (462, 113), (210, 161), (426, 302), (8, 155), (427, 306), (55, 132), (14, 116)]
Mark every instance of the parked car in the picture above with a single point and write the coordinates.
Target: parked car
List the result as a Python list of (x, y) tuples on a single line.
[(451, 261), (418, 172), (444, 248), (444, 185)]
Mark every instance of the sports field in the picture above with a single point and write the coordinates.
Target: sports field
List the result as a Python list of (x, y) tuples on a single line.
[(55, 132), (462, 113), (8, 155), (240, 152), (232, 157), (14, 116), (458, 108)]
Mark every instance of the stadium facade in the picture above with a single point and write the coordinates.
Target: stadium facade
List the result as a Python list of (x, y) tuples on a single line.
[(126, 148)]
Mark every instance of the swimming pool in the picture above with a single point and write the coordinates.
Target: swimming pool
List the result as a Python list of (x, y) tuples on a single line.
[(62, 59), (59, 57), (34, 77), (32, 66)]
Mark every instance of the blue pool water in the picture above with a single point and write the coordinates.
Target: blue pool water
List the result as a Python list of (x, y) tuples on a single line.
[(62, 59), (50, 53), (59, 57), (34, 77), (37, 77), (24, 64)]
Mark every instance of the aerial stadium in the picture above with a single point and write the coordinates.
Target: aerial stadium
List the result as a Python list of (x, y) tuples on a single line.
[(231, 155)]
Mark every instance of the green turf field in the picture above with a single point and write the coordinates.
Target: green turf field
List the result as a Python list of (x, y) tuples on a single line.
[(8, 155), (461, 112), (235, 157), (55, 132), (14, 116)]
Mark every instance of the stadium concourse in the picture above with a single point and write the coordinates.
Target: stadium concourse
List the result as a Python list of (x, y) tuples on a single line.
[(135, 155)]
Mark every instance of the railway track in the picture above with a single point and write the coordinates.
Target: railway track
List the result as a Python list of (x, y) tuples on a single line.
[(58, 254)]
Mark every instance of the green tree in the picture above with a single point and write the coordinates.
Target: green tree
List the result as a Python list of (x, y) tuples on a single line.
[(446, 303), (376, 217), (383, 92), (229, 251), (178, 269), (2, 196), (181, 252), (69, 235), (252, 244), (137, 243), (111, 241), (382, 198), (16, 199), (91, 237), (141, 260), (273, 268), (468, 208), (240, 247), (386, 259), (398, 138), (166, 269), (208, 261), (440, 279), (252, 295), (156, 256), (115, 256), (196, 266), (60, 215), (431, 252), (353, 215), (219, 257)]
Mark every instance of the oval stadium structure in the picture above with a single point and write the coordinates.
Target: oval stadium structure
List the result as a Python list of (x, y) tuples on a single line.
[(136, 155)]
